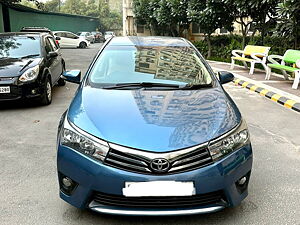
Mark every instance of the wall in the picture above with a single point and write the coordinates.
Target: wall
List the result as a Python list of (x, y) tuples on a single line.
[(20, 16), (1, 20)]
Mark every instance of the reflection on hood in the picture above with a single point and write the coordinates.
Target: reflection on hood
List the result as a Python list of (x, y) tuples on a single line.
[(157, 121)]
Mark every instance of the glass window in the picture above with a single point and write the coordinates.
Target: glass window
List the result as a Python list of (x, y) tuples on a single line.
[(53, 44), (223, 31), (19, 46), (132, 64), (195, 28), (70, 35), (140, 28), (48, 46)]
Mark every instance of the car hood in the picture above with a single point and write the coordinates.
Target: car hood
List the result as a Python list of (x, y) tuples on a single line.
[(13, 67), (157, 121)]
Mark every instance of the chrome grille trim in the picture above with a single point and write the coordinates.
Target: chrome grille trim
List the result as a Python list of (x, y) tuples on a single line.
[(139, 161)]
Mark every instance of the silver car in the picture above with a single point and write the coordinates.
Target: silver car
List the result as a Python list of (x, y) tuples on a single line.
[(88, 36)]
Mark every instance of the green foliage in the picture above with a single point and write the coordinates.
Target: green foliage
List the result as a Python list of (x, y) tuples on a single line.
[(109, 20), (223, 45), (28, 4), (52, 6), (77, 7), (289, 21)]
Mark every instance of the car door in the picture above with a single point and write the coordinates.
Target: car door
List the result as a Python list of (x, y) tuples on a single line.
[(89, 37), (73, 39), (51, 62), (63, 42), (57, 62)]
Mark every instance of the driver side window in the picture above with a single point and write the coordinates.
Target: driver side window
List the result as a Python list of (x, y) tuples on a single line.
[(48, 46)]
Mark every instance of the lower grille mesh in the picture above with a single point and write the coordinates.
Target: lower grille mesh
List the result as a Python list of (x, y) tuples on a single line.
[(160, 202)]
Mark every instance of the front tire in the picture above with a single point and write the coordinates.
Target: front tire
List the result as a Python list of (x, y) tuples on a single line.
[(46, 97), (82, 45)]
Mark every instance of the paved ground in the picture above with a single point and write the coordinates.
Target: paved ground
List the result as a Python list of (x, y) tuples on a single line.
[(29, 188), (276, 80)]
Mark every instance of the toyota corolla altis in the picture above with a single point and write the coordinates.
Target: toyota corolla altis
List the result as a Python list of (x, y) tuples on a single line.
[(151, 131)]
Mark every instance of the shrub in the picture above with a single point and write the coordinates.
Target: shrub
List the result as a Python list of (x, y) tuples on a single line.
[(223, 45)]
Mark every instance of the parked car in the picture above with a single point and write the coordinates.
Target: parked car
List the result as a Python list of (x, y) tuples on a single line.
[(109, 34), (151, 131), (98, 36), (88, 36), (71, 40), (30, 65), (37, 29)]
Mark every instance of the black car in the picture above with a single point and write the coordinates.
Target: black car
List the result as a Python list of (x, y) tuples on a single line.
[(30, 65)]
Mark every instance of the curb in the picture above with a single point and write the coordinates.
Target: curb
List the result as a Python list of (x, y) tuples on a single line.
[(286, 102)]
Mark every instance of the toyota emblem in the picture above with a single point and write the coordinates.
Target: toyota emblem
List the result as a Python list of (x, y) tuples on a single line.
[(160, 165)]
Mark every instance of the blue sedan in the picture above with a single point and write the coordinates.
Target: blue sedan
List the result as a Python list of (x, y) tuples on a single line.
[(151, 131)]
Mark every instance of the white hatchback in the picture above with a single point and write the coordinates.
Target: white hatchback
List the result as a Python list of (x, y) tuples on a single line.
[(68, 39)]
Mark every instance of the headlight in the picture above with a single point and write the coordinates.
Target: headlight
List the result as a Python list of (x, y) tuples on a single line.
[(83, 142), (30, 74), (229, 142)]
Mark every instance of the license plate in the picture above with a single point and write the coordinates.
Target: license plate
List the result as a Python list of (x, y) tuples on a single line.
[(4, 90), (158, 188)]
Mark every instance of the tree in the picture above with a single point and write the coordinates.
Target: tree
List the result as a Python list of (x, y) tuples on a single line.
[(264, 16), (210, 15), (289, 22), (38, 4), (52, 6), (164, 18), (144, 13), (179, 10), (109, 20), (77, 7), (243, 12)]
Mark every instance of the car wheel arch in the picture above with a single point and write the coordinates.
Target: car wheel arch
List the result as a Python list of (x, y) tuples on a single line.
[(46, 74)]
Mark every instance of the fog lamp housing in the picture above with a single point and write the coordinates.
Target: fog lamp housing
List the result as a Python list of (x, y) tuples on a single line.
[(67, 185), (242, 183)]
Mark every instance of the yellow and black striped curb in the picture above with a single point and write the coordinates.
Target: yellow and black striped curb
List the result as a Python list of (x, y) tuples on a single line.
[(291, 104)]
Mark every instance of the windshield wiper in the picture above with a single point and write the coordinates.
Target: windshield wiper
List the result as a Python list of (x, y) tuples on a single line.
[(196, 86), (142, 85), (29, 56)]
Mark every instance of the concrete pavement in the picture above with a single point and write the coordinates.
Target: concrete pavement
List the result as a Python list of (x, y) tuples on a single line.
[(29, 187)]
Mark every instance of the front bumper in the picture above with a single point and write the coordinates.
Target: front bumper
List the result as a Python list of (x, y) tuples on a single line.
[(92, 176), (20, 91)]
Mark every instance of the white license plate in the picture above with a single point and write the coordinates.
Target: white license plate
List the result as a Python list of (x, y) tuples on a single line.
[(158, 188), (4, 90)]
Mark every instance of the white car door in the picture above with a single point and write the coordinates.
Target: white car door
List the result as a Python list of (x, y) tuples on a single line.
[(63, 42), (73, 39)]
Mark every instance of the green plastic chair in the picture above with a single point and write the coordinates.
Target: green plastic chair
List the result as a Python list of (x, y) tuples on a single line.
[(290, 56)]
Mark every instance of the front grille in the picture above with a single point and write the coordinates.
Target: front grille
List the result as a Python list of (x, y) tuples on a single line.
[(216, 197), (139, 161)]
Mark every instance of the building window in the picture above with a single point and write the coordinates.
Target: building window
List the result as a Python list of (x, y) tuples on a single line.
[(223, 31), (195, 28), (140, 28)]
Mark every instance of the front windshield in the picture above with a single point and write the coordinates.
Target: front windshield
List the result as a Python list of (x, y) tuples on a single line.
[(135, 64), (18, 47)]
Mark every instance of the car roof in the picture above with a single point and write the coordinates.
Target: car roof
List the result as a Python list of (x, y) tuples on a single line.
[(35, 34), (149, 41), (62, 31)]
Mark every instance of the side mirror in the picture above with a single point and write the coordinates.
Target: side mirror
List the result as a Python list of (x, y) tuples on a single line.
[(225, 77), (52, 54), (57, 38), (73, 76)]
